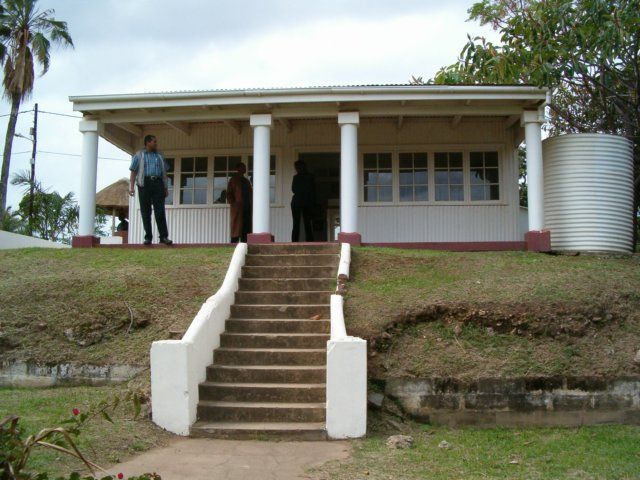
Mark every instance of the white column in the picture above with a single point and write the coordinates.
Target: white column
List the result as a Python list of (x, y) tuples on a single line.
[(532, 122), (88, 173), (261, 154), (349, 122)]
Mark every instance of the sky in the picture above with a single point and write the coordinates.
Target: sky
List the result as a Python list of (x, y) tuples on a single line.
[(129, 46)]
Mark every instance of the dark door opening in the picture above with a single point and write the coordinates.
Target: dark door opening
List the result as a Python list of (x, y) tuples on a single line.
[(325, 166)]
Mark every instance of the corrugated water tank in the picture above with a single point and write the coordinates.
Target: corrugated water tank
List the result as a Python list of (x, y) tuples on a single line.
[(588, 192)]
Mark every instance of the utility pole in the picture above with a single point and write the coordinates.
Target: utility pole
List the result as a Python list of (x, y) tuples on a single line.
[(34, 135)]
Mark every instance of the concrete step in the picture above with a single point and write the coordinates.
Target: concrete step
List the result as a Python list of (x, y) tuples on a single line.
[(267, 373), (263, 392), (289, 272), (287, 284), (260, 412), (280, 311), (283, 298), (300, 249), (269, 356), (277, 325), (271, 340), (283, 431), (321, 260)]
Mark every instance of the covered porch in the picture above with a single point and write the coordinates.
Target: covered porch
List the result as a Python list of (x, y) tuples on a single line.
[(394, 165)]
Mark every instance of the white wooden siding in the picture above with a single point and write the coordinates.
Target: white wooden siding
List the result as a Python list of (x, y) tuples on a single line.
[(397, 222)]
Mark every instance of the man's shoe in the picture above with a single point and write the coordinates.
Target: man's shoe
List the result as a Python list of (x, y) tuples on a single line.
[(147, 242), (166, 241)]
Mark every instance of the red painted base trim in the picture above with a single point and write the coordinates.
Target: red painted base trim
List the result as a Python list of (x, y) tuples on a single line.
[(352, 238), (455, 246), (538, 241), (254, 238), (85, 241)]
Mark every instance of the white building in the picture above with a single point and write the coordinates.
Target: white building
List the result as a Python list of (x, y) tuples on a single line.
[(425, 166)]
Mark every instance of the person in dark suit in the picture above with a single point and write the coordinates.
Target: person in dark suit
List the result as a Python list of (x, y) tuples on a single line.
[(303, 201)]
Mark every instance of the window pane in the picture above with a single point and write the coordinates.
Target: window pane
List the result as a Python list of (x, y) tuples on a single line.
[(187, 164), (455, 177), (420, 160), (370, 194), (406, 161), (370, 161), (442, 177), (384, 161), (272, 163), (219, 195), (169, 181), (220, 164), (385, 178), (476, 159), (170, 164), (477, 192), (220, 182), (477, 177), (201, 164), (420, 177), (457, 193), (186, 180), (169, 198), (272, 181), (421, 194), (491, 159), (370, 178), (272, 195), (200, 180), (491, 174), (406, 194), (200, 196), (442, 193), (186, 197), (441, 160), (385, 194), (406, 178), (494, 192), (455, 160)]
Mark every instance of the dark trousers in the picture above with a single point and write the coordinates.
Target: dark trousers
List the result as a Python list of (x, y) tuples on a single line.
[(247, 221), (152, 195), (305, 213)]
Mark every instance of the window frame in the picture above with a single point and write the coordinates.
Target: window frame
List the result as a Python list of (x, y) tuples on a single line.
[(430, 150), (243, 153)]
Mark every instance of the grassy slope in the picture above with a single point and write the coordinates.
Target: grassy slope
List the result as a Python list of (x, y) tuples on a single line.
[(604, 452), (102, 442), (548, 314), (45, 292)]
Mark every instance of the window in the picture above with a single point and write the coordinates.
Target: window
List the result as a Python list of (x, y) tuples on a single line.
[(485, 178), (414, 177), (272, 176), (449, 177), (193, 181), (170, 180), (224, 166), (378, 177)]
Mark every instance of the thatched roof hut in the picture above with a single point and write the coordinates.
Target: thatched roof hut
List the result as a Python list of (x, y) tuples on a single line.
[(115, 197)]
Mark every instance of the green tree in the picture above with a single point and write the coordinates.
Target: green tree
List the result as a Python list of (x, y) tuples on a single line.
[(586, 51), (11, 221), (26, 34), (55, 217)]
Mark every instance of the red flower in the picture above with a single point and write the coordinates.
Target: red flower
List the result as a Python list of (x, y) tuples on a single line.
[(120, 476), (76, 411)]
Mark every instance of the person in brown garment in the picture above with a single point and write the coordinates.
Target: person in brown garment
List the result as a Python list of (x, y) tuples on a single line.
[(239, 196)]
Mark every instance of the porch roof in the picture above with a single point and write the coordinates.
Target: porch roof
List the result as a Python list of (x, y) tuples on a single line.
[(124, 115)]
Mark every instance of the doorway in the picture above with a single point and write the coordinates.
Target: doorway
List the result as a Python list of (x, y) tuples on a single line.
[(325, 166)]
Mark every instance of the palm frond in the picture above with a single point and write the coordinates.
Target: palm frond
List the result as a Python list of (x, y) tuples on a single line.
[(40, 46)]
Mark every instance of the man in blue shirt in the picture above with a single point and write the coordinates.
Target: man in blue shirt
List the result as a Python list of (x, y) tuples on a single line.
[(149, 172)]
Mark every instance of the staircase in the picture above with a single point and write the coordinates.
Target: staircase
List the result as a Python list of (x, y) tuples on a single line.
[(268, 378)]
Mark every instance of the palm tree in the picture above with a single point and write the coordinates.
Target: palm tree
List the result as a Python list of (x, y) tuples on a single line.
[(26, 34)]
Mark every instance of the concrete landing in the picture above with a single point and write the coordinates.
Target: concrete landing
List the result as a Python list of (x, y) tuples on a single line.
[(206, 459)]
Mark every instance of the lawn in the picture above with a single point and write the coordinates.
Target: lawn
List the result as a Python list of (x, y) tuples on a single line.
[(76, 305), (429, 313), (102, 442), (602, 452)]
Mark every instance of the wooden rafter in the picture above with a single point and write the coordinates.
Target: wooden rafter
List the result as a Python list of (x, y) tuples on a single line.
[(131, 128), (456, 121), (235, 125), (400, 122), (286, 123), (183, 127), (511, 120)]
